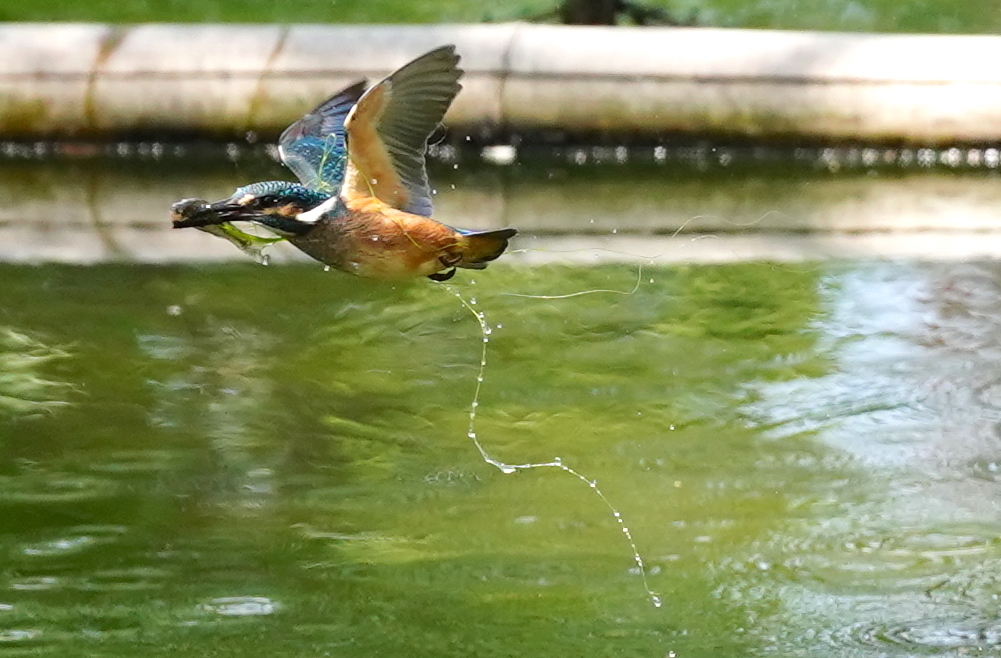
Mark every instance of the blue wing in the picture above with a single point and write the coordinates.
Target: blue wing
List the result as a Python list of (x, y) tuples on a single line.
[(315, 146)]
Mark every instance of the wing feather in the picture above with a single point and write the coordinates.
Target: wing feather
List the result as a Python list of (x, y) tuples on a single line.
[(388, 129), (315, 148)]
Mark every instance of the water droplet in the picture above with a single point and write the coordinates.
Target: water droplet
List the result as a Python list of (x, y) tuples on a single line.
[(326, 268), (500, 154), (506, 469)]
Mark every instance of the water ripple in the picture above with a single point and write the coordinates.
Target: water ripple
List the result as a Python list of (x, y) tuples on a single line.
[(12, 635), (986, 469), (241, 606), (37, 584), (929, 633), (125, 580), (42, 488), (914, 560), (55, 635), (71, 541), (61, 546), (134, 462)]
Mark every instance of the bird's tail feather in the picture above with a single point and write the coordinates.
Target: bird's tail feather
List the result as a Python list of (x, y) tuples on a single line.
[(484, 246)]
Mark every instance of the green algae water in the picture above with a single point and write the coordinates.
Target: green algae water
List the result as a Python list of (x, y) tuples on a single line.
[(778, 368), (243, 460)]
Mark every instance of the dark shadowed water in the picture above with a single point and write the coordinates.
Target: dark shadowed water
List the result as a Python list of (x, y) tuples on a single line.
[(229, 459)]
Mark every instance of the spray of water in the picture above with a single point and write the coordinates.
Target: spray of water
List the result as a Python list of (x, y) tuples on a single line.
[(503, 467)]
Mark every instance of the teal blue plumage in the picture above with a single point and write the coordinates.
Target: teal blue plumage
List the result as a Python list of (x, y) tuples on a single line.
[(282, 190), (315, 147)]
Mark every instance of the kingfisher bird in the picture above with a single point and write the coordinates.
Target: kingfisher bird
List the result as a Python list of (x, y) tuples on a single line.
[(363, 204)]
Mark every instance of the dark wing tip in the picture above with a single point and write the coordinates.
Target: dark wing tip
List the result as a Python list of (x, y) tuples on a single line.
[(446, 48), (446, 53)]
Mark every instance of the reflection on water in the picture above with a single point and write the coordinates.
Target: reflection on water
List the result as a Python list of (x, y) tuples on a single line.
[(274, 460), (680, 204), (23, 391)]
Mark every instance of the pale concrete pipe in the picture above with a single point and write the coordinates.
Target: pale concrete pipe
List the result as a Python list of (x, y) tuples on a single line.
[(85, 80)]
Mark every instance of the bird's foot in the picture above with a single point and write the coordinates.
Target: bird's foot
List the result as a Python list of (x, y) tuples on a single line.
[(450, 258), (442, 276)]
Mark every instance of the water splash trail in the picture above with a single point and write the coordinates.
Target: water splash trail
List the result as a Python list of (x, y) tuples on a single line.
[(639, 277), (506, 468)]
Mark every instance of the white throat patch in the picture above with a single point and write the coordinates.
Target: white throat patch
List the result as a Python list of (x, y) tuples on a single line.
[(317, 213)]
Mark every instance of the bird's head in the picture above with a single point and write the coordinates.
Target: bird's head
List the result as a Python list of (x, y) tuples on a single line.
[(275, 204)]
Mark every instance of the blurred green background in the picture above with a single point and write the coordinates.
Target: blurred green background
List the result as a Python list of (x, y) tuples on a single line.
[(853, 15)]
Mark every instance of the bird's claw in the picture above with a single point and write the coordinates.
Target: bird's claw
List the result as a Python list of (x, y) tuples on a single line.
[(442, 276)]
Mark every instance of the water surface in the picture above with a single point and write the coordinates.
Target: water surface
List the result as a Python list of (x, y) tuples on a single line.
[(245, 460)]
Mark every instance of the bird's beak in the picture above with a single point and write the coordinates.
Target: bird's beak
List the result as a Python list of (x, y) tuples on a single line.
[(194, 213)]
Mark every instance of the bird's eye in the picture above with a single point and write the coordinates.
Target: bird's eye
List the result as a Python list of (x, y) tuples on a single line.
[(265, 201)]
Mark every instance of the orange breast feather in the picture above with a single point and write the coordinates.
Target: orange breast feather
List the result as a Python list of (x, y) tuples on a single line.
[(379, 241)]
